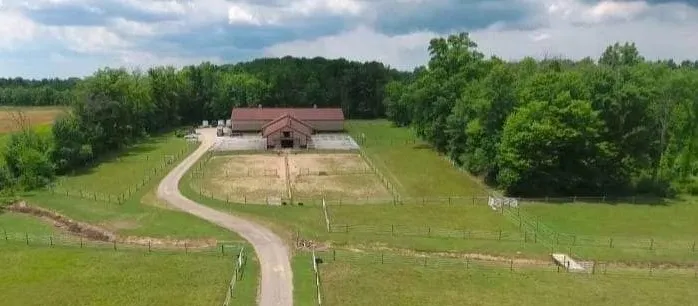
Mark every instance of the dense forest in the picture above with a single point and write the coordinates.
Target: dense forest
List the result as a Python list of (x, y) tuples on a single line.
[(619, 125), (114, 107)]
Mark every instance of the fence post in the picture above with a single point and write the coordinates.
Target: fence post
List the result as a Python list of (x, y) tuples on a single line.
[(50, 240), (26, 235), (346, 228), (593, 267), (511, 265), (473, 201), (222, 250), (149, 246), (114, 245), (81, 242), (693, 248), (5, 231), (392, 229), (610, 242), (651, 243), (428, 231), (381, 257), (334, 255), (500, 235), (186, 248)]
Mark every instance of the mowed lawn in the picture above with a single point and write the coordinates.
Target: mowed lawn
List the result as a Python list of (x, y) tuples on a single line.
[(71, 276), (626, 232), (122, 173), (374, 284), (430, 228), (16, 223), (467, 224), (413, 166), (141, 214)]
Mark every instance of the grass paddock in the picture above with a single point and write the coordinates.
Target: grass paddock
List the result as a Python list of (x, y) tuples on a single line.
[(69, 276)]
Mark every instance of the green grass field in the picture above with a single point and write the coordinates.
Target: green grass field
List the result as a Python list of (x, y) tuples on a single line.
[(415, 169), (141, 214), (70, 276), (122, 173), (20, 223), (625, 232), (375, 284)]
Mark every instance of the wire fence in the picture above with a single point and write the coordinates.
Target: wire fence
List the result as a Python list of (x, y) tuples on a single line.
[(529, 225), (499, 267), (141, 180), (237, 276), (386, 182), (148, 245), (430, 232)]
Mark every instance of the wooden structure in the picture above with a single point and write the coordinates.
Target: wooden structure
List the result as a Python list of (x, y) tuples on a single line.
[(287, 131), (253, 119)]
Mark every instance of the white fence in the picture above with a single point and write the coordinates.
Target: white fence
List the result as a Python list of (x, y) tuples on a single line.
[(237, 273)]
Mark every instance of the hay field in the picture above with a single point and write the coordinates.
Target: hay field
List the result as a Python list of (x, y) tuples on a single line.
[(34, 116)]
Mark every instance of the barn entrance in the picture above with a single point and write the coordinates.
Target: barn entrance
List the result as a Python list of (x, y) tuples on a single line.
[(286, 143)]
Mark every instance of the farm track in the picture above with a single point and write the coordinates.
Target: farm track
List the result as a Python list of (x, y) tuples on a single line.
[(273, 254)]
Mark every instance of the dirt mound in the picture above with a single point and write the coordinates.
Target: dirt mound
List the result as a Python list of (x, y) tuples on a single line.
[(96, 233)]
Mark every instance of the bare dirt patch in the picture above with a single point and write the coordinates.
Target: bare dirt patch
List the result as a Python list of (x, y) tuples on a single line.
[(335, 177), (261, 178), (331, 164), (253, 178), (96, 233)]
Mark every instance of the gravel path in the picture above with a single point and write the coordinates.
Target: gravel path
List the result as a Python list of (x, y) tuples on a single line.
[(272, 252)]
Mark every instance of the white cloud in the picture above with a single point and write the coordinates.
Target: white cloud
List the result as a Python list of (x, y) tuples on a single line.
[(245, 13), (363, 44), (142, 59), (15, 29), (572, 38), (88, 39)]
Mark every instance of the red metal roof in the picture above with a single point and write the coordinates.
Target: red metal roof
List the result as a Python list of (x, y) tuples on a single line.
[(303, 114), (286, 121)]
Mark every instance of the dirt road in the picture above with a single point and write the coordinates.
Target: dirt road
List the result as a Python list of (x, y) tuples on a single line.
[(272, 252)]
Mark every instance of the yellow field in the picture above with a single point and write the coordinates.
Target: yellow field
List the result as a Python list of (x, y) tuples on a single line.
[(11, 118)]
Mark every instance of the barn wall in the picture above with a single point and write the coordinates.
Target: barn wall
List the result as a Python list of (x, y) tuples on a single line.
[(248, 125), (326, 125), (274, 139)]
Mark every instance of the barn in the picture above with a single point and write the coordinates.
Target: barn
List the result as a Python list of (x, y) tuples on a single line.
[(287, 127)]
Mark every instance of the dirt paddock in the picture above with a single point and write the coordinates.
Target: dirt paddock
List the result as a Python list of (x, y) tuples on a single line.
[(267, 178)]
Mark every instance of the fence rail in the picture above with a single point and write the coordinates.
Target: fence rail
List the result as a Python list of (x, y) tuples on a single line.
[(143, 245), (648, 270), (318, 287), (237, 275), (121, 197)]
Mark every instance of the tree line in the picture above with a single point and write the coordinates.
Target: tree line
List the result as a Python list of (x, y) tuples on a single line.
[(113, 108), (619, 125)]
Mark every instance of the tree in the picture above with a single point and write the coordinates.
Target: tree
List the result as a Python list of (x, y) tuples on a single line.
[(554, 148)]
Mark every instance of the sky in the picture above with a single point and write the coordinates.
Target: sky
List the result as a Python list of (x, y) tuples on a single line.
[(64, 38)]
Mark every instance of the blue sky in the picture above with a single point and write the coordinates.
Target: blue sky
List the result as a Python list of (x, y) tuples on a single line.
[(60, 38)]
